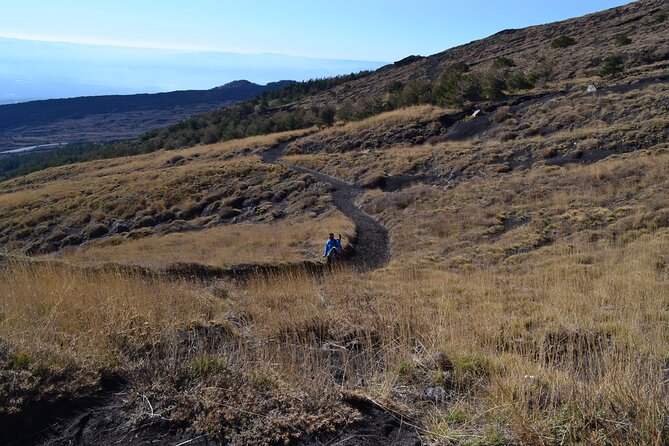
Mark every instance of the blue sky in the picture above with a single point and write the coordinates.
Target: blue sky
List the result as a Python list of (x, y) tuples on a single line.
[(377, 30)]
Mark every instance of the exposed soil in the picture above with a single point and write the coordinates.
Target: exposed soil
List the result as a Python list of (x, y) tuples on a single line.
[(108, 424), (379, 427)]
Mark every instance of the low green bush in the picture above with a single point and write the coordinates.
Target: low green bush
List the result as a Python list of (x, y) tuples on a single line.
[(612, 66), (563, 42), (622, 40), (503, 62)]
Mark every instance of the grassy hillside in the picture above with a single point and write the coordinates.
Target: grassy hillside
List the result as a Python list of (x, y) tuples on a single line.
[(556, 57), (597, 47), (526, 300)]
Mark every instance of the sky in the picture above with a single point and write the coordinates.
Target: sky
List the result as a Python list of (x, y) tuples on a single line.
[(370, 30)]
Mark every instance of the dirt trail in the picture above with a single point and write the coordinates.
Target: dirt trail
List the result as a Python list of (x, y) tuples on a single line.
[(370, 247)]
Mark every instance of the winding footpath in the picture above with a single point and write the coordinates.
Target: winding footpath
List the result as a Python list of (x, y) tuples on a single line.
[(370, 246)]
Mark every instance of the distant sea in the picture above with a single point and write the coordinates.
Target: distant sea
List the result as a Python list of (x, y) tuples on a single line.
[(31, 70)]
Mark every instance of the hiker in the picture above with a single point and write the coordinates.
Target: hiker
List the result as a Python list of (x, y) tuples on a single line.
[(332, 247)]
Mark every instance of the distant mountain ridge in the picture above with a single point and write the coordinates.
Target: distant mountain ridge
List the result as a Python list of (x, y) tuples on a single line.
[(101, 118), (42, 111)]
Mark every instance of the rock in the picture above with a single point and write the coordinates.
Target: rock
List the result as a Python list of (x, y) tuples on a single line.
[(96, 229), (174, 161), (192, 211), (228, 212), (211, 209), (119, 227), (70, 240), (234, 202), (165, 216), (56, 237), (146, 222), (435, 393)]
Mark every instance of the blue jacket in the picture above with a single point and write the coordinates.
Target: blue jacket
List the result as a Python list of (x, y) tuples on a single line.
[(330, 245)]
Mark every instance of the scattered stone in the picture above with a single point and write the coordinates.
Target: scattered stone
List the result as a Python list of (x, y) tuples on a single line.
[(119, 227), (41, 229), (165, 216), (174, 161), (192, 211), (95, 230), (228, 212), (70, 240), (56, 236), (211, 209), (435, 393), (146, 222)]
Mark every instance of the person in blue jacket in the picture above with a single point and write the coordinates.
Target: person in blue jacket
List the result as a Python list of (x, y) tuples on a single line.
[(332, 247)]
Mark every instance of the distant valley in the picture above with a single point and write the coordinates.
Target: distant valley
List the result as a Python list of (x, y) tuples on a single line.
[(46, 124)]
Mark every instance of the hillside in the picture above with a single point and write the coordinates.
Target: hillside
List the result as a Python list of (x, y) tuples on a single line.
[(506, 279), (506, 63), (105, 118)]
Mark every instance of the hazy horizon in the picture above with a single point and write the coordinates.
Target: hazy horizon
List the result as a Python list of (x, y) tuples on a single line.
[(75, 47), (36, 70)]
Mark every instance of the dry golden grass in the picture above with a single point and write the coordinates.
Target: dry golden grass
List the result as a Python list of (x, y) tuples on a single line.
[(276, 242), (522, 306), (45, 207), (377, 131), (570, 348), (356, 167), (488, 220), (88, 317), (387, 119)]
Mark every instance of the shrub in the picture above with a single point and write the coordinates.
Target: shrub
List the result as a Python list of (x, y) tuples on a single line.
[(518, 81), (327, 116), (660, 16), (22, 360), (206, 365), (395, 87), (261, 381), (493, 88), (457, 86), (563, 42), (613, 65), (542, 70), (503, 62), (622, 40), (417, 92)]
